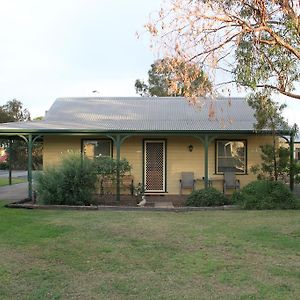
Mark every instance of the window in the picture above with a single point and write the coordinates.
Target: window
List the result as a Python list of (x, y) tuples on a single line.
[(96, 148), (297, 154), (231, 155)]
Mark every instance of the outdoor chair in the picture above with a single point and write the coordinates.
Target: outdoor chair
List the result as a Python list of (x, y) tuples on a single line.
[(187, 181), (230, 182)]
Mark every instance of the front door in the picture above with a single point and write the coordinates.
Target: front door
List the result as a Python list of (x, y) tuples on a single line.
[(154, 166)]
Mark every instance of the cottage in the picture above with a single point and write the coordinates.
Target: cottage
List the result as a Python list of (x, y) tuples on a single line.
[(162, 138)]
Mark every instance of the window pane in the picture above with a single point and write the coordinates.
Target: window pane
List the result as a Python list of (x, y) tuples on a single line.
[(231, 154), (297, 154), (96, 148)]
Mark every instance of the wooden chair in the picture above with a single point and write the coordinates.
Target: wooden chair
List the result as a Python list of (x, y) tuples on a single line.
[(187, 181), (230, 182)]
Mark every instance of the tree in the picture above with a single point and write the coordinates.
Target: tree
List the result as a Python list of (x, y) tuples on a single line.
[(166, 78), (13, 111), (275, 163), (268, 115), (255, 42)]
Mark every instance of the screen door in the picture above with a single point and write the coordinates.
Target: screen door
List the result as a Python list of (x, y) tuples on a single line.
[(154, 159)]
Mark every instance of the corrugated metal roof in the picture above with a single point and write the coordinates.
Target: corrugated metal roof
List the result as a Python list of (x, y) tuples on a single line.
[(143, 114)]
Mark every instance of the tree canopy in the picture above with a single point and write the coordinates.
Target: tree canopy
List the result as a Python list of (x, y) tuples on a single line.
[(253, 43), (13, 111), (166, 78)]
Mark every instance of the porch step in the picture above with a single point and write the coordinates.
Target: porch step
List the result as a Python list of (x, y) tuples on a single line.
[(166, 204)]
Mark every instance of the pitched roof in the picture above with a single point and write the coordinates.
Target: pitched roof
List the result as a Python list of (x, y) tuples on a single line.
[(142, 114)]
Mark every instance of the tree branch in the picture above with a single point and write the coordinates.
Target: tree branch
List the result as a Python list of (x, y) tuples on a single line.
[(282, 91)]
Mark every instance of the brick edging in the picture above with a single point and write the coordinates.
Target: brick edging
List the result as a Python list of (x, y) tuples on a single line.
[(117, 208)]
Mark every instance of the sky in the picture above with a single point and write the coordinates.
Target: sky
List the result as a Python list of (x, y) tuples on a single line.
[(60, 48), (65, 48)]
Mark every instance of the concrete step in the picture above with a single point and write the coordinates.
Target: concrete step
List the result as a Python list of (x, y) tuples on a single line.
[(167, 204)]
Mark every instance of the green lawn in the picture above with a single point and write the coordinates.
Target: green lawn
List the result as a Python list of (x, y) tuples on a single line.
[(4, 181), (149, 255)]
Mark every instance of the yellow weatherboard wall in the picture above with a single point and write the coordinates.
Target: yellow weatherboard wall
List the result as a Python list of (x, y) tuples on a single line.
[(178, 157), (57, 146)]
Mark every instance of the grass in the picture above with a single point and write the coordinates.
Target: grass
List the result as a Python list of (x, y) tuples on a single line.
[(149, 255), (4, 181)]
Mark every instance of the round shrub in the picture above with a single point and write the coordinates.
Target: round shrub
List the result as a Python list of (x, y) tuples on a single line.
[(206, 197), (70, 183), (264, 194)]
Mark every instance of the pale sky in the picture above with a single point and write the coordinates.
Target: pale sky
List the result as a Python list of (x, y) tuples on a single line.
[(61, 48), (58, 48)]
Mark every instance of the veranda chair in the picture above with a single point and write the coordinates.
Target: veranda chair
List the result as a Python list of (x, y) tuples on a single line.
[(230, 182), (187, 181)]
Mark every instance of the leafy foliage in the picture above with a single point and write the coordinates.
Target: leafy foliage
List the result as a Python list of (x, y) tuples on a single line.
[(267, 169), (106, 167), (70, 183), (264, 194), (268, 114), (206, 197), (3, 165), (256, 42), (297, 171), (165, 78), (13, 111)]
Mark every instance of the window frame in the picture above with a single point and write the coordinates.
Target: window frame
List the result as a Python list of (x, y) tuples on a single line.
[(245, 155), (98, 139)]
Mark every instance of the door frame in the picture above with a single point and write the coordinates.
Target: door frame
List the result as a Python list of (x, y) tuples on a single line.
[(164, 141)]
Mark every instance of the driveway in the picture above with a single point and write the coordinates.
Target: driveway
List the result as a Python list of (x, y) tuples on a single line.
[(14, 192), (16, 174)]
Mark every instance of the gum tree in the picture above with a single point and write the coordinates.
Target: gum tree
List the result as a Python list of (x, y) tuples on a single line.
[(166, 77), (252, 43)]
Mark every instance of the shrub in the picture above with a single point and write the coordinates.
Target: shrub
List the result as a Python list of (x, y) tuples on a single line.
[(106, 167), (70, 183), (3, 165), (206, 197), (264, 194)]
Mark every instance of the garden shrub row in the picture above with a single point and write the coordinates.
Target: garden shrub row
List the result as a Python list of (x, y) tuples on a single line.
[(206, 197), (73, 183), (265, 194), (260, 194)]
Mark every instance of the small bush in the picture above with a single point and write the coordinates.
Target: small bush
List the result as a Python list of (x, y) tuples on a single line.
[(264, 194), (206, 197), (70, 183), (3, 165)]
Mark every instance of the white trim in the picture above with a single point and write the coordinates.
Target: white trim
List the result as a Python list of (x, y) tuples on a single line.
[(163, 142)]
